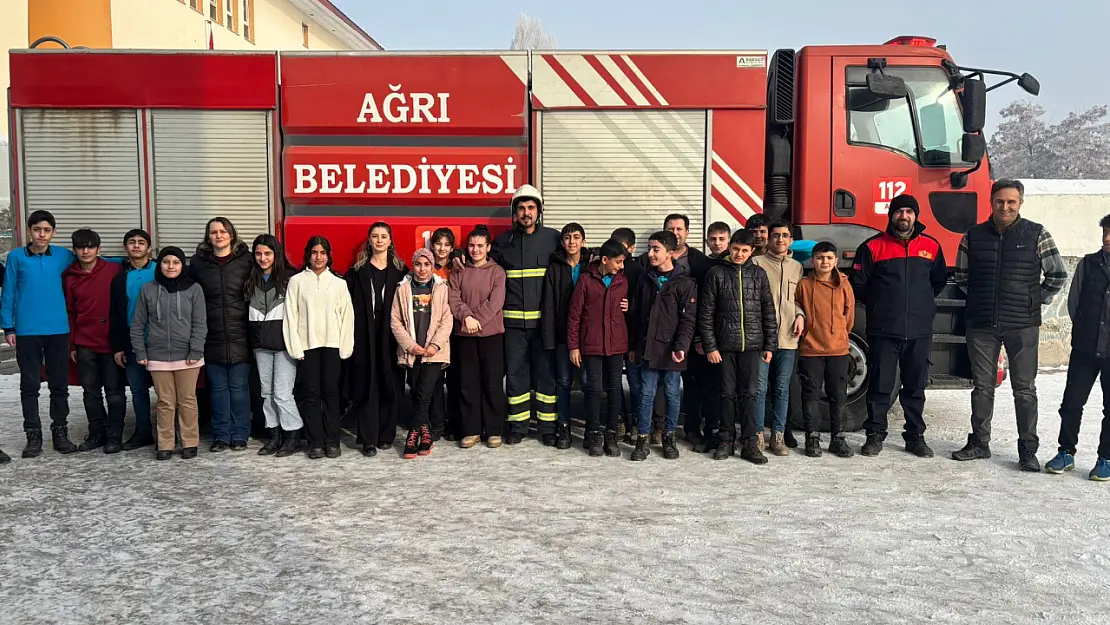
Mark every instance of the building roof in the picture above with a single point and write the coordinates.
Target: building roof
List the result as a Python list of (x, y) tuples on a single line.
[(325, 13)]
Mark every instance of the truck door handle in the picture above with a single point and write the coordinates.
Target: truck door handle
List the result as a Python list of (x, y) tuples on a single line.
[(844, 204)]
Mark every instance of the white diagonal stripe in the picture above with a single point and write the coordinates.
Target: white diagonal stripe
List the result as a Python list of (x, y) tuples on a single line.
[(647, 83), (737, 179), (629, 87), (518, 63), (589, 79), (733, 197), (549, 87)]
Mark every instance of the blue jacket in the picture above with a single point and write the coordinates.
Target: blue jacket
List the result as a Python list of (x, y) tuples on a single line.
[(33, 303), (125, 292)]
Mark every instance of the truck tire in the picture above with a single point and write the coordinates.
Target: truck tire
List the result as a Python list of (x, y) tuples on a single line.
[(855, 412)]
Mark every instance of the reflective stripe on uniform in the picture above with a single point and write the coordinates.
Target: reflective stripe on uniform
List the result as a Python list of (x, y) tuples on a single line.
[(520, 416), (519, 399), (546, 416), (526, 315), (548, 399), (538, 272)]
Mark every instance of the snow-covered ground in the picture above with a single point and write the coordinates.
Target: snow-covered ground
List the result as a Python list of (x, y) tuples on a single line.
[(531, 535)]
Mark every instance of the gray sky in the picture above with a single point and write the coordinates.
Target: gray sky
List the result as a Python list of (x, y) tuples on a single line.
[(1054, 41)]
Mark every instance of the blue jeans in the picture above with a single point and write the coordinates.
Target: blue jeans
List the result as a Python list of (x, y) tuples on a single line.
[(672, 388), (565, 371), (635, 389), (229, 393), (277, 372), (138, 379), (781, 370)]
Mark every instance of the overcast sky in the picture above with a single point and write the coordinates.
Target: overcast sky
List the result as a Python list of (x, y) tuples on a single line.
[(1055, 41)]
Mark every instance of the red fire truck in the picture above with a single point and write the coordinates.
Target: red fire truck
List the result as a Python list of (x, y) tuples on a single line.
[(328, 143)]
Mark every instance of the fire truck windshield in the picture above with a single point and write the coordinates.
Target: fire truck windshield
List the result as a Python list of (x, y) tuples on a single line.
[(926, 126)]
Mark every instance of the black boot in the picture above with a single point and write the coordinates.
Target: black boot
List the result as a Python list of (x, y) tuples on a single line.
[(670, 449), (138, 440), (315, 453), (725, 448), (788, 437), (1027, 457), (550, 440), (412, 445), (113, 441), (59, 435), (642, 451), (290, 444), (612, 446), (4, 458), (593, 442), (873, 445), (93, 440), (839, 447), (562, 436), (973, 450), (813, 445), (919, 448), (34, 443), (273, 445), (750, 451)]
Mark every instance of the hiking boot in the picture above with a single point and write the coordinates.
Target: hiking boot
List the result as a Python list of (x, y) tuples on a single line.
[(788, 438), (761, 440), (920, 448), (469, 441), (657, 436), (138, 440), (219, 446), (642, 451), (333, 451), (4, 458), (670, 448), (426, 442), (34, 443), (562, 436), (59, 435), (1062, 462), (93, 440), (1027, 458), (873, 445), (973, 450), (839, 447), (593, 442), (163, 455), (549, 440), (725, 448), (188, 453), (612, 447), (412, 445), (1101, 472), (493, 442), (750, 451), (113, 445), (813, 445), (315, 453), (273, 445), (778, 444), (512, 438), (291, 444)]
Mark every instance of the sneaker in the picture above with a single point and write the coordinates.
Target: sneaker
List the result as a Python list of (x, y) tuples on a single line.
[(919, 448), (642, 451), (611, 446), (724, 450), (1062, 462), (188, 453), (412, 445), (778, 444), (1027, 458), (657, 436), (973, 450), (873, 446), (549, 440), (493, 442), (750, 451), (470, 441), (562, 436), (839, 447), (670, 449), (813, 445), (218, 446), (1101, 472), (593, 442), (426, 442), (333, 451)]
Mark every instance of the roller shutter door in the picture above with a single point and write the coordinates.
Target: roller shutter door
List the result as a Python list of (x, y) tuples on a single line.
[(210, 164), (612, 169), (83, 167)]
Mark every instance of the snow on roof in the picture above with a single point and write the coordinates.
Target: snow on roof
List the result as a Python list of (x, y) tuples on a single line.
[(1066, 187)]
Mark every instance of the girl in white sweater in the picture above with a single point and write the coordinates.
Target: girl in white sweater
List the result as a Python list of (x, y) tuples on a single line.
[(319, 329)]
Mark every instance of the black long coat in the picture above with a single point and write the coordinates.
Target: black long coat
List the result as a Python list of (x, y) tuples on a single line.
[(227, 342), (374, 361)]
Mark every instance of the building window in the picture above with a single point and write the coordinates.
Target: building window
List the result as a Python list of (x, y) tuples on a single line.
[(304, 33), (195, 4), (214, 10), (229, 18), (247, 17)]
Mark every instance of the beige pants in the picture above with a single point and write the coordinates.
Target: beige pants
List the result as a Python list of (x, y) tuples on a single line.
[(177, 392)]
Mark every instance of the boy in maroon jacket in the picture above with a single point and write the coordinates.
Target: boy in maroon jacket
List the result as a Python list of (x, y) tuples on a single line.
[(598, 336), (87, 285)]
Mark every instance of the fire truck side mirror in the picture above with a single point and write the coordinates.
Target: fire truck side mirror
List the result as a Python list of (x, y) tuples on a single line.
[(973, 101), (886, 87), (973, 148), (1030, 85)]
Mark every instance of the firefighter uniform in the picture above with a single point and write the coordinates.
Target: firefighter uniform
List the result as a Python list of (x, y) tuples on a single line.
[(529, 382)]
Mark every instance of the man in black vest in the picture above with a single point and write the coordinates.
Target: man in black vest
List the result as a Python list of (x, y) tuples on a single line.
[(1009, 267), (1089, 309)]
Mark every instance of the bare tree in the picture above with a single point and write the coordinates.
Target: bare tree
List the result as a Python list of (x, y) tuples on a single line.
[(1026, 146), (528, 34)]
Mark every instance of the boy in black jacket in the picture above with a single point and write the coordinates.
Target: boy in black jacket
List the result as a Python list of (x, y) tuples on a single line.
[(663, 318), (735, 333), (567, 264)]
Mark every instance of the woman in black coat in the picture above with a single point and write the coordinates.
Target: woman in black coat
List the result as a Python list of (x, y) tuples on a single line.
[(221, 267), (374, 381)]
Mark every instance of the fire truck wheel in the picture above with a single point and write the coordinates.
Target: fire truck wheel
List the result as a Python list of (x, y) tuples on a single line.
[(855, 413)]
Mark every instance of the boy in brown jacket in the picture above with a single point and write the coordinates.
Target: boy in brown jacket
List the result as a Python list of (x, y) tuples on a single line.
[(829, 305)]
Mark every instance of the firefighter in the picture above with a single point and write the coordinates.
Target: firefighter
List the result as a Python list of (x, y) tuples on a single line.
[(524, 252)]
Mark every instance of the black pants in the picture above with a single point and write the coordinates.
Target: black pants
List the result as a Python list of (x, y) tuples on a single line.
[(739, 374), (603, 375), (831, 374), (1083, 369), (377, 417), (481, 368), (101, 379), (701, 394), (529, 382), (30, 353), (321, 396), (449, 400), (886, 355), (424, 379)]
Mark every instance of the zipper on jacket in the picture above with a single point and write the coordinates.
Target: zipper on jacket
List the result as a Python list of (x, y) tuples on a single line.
[(743, 330), (997, 278), (223, 298), (604, 317), (906, 286)]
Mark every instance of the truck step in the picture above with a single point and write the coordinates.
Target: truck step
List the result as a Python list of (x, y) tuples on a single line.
[(943, 381), (949, 338)]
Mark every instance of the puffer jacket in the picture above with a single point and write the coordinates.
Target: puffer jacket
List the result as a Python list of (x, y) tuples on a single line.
[(663, 320), (595, 323), (228, 343), (265, 317), (524, 257), (169, 327), (736, 312)]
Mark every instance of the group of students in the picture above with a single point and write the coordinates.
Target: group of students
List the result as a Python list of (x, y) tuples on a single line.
[(729, 328)]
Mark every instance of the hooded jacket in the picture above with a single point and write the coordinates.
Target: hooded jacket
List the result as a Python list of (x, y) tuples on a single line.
[(89, 304), (558, 287), (227, 305), (524, 257), (266, 316), (169, 327), (596, 324), (783, 275), (478, 292), (404, 326), (736, 312), (830, 311), (125, 294), (663, 318)]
